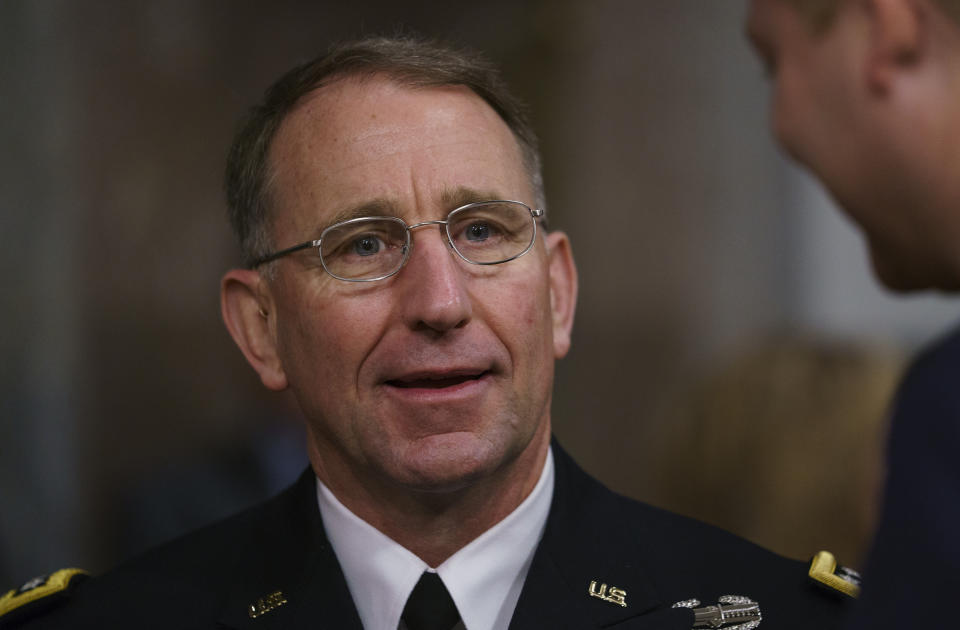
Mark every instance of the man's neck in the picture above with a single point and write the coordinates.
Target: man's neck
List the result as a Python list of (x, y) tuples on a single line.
[(435, 525)]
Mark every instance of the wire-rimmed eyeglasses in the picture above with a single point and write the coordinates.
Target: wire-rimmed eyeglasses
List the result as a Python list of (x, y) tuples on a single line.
[(374, 248)]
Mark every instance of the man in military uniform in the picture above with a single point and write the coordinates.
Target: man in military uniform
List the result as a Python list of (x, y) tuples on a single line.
[(865, 94), (400, 279)]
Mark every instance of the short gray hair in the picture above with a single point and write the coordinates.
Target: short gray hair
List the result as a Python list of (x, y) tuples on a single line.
[(409, 61)]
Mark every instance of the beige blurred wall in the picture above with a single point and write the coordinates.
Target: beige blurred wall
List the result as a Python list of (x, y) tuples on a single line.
[(115, 119)]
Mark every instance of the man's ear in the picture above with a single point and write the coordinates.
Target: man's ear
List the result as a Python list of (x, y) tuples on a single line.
[(250, 318), (563, 290), (897, 39)]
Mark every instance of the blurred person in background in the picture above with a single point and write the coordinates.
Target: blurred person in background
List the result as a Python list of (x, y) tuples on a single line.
[(418, 326), (865, 94)]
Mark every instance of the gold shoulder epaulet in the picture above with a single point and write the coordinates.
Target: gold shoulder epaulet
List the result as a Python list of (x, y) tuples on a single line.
[(825, 571), (39, 593)]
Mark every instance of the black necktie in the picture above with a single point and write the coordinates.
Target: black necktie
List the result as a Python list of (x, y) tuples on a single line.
[(430, 606)]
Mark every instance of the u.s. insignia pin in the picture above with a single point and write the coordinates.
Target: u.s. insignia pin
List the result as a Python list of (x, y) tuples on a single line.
[(731, 612), (613, 595)]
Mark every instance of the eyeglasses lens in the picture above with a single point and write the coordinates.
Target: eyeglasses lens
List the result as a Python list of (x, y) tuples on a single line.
[(483, 233), (364, 249), (490, 233)]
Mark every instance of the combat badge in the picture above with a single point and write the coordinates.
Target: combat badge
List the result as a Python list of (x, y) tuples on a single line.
[(825, 572), (731, 612), (38, 594), (266, 604)]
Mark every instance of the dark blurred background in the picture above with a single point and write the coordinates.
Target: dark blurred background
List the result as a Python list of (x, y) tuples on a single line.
[(732, 358)]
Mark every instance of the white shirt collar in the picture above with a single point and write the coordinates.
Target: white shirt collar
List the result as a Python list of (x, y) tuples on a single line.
[(484, 577)]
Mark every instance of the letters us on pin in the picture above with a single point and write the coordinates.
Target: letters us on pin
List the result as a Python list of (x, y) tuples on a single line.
[(614, 595)]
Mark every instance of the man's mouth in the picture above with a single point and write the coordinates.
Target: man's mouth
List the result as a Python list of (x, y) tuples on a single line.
[(436, 381)]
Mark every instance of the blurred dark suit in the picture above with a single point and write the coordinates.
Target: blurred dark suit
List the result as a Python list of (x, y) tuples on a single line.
[(913, 571)]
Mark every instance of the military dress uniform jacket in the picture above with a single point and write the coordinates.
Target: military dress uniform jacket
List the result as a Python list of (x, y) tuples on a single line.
[(605, 561)]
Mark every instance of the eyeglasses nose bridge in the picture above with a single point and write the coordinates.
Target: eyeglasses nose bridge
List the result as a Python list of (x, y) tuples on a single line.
[(410, 228), (408, 248), (442, 222)]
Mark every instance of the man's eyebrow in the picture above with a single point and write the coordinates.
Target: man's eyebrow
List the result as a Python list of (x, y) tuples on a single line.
[(450, 198), (372, 208), (461, 196)]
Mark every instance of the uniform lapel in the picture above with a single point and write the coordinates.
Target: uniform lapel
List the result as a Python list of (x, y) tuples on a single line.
[(584, 555), (295, 581)]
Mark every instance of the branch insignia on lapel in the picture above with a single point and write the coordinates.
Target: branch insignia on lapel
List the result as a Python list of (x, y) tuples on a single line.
[(267, 603), (614, 595), (39, 593), (825, 571)]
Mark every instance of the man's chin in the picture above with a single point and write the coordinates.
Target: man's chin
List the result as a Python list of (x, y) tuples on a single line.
[(447, 462)]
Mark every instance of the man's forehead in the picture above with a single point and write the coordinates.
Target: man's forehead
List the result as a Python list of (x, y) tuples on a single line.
[(342, 96), (351, 148), (365, 116)]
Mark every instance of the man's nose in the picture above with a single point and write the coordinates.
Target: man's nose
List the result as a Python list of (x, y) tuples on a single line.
[(434, 292)]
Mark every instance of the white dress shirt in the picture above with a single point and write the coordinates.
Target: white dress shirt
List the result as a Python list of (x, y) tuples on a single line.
[(484, 578)]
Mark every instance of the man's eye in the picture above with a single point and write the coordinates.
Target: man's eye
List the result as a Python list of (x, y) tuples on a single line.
[(477, 232), (367, 245)]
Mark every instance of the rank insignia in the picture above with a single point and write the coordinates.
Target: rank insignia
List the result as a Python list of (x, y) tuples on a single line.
[(39, 593), (825, 571), (731, 612)]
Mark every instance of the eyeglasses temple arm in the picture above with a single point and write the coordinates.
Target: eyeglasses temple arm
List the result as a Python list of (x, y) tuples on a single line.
[(284, 252)]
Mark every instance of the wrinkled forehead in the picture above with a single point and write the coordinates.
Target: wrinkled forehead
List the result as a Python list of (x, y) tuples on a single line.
[(359, 139), (347, 112)]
